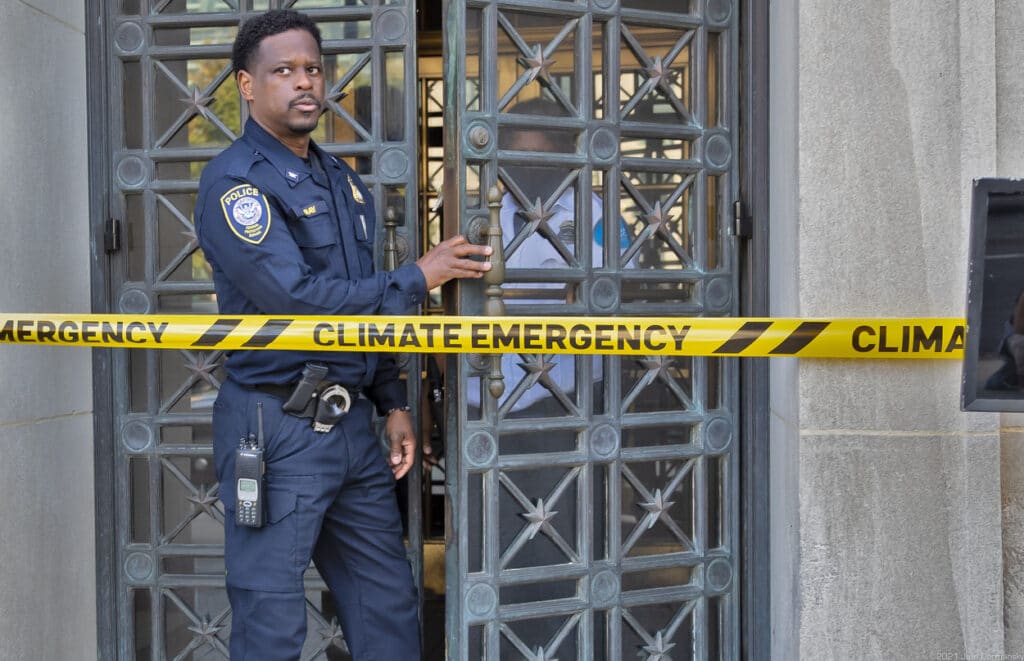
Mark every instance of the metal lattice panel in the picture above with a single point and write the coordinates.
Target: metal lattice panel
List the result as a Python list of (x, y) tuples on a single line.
[(595, 501), (176, 106)]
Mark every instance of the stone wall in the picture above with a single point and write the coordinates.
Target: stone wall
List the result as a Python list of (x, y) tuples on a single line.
[(886, 498), (1010, 163), (47, 579)]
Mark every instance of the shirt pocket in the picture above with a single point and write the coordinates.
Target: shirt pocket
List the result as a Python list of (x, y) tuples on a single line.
[(312, 225)]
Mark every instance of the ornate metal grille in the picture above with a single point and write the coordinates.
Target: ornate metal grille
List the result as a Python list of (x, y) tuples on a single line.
[(596, 520), (595, 502), (174, 107)]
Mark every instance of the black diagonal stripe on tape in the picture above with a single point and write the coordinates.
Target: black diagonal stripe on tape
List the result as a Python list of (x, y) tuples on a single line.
[(268, 333), (217, 332), (800, 338), (744, 337)]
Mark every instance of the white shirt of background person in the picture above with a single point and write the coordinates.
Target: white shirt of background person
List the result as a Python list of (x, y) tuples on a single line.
[(537, 252)]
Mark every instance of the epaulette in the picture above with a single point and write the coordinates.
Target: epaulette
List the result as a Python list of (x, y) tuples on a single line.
[(242, 163)]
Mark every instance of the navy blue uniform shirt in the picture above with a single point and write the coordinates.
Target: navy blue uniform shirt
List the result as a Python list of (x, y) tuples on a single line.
[(284, 237)]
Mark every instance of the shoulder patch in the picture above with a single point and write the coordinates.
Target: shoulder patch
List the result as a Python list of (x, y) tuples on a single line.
[(247, 213)]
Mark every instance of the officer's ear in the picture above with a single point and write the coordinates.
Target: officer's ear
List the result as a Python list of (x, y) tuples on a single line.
[(244, 80)]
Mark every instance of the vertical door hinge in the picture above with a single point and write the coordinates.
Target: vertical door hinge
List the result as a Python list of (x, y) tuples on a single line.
[(742, 225), (112, 235)]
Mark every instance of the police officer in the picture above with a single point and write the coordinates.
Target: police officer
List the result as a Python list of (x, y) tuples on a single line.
[(289, 230)]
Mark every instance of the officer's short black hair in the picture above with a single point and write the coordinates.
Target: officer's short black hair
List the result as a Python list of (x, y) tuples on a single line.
[(265, 25)]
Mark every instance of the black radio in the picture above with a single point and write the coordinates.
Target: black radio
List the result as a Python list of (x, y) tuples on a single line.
[(249, 470)]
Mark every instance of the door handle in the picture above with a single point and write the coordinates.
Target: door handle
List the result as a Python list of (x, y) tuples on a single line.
[(494, 305)]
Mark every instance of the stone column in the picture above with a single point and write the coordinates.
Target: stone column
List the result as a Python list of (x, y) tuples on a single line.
[(48, 577), (886, 497)]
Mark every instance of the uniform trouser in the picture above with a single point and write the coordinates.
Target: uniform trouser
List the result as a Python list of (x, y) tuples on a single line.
[(330, 497)]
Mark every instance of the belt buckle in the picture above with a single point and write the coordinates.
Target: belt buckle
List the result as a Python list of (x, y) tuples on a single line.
[(333, 403)]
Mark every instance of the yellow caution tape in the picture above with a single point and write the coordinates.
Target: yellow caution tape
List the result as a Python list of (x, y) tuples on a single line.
[(673, 336)]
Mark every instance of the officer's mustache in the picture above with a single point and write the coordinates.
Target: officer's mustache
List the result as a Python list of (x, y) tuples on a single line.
[(306, 99)]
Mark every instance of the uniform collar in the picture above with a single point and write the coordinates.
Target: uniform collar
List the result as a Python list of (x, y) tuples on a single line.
[(292, 168), (326, 159), (566, 200)]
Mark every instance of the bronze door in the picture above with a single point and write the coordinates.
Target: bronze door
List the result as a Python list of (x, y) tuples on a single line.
[(594, 500), (171, 105)]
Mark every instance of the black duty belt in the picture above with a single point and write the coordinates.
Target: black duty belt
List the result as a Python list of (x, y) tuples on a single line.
[(285, 391), (274, 390)]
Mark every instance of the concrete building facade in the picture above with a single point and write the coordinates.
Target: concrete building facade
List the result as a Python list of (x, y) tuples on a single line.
[(46, 477), (894, 514)]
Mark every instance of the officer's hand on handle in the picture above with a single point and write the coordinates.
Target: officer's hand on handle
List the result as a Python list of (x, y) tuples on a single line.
[(450, 259), (402, 440)]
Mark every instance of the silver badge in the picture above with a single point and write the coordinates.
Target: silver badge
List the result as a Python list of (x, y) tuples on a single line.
[(247, 211)]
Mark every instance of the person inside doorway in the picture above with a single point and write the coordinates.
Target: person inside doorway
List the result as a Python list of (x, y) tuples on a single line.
[(1010, 375), (539, 224), (546, 231), (289, 229)]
